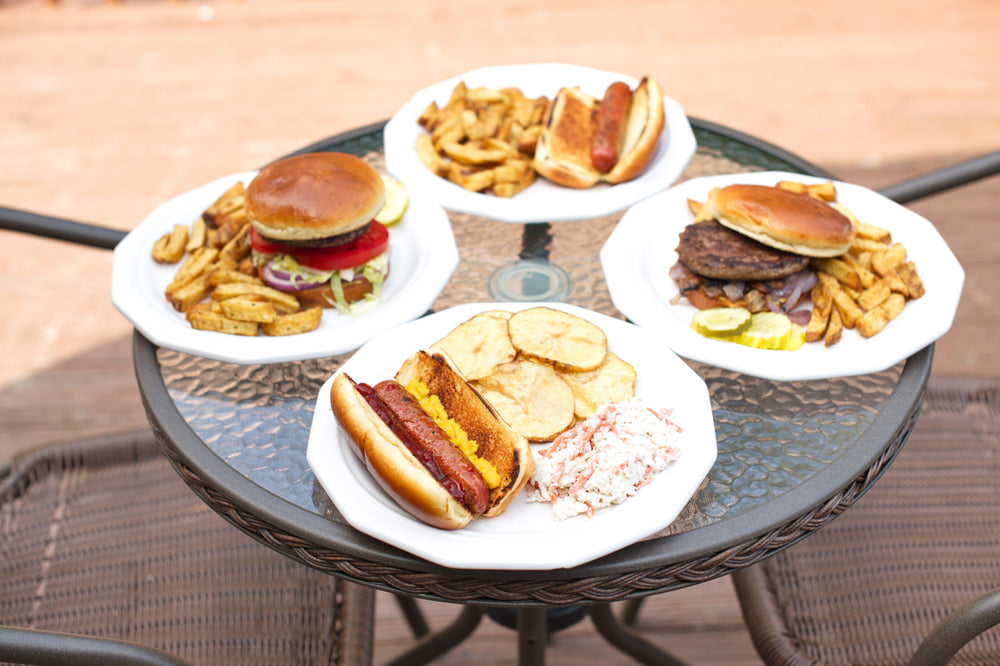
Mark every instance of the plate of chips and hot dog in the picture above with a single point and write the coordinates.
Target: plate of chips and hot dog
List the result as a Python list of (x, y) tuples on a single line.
[(409, 146), (525, 534)]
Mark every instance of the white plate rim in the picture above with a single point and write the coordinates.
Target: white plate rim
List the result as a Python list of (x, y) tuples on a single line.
[(423, 257), (641, 249), (543, 201), (494, 543)]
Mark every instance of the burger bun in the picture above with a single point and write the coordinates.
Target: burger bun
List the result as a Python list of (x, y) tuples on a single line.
[(782, 219)]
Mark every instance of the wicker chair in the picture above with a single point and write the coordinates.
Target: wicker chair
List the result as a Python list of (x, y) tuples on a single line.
[(877, 585), (107, 557)]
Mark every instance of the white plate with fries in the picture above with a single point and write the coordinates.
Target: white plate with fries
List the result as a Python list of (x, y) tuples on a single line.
[(423, 256), (639, 253), (542, 201), (527, 536)]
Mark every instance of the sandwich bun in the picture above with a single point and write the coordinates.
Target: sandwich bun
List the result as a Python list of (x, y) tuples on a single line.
[(562, 153), (563, 150), (314, 196), (401, 473), (782, 219), (642, 132)]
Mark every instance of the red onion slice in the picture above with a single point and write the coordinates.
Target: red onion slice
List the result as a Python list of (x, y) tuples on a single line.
[(285, 281)]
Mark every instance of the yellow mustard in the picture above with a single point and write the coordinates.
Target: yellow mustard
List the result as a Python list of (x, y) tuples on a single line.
[(432, 405)]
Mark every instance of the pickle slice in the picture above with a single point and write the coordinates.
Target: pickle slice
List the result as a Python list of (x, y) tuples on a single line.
[(396, 201), (796, 339), (721, 322), (767, 330)]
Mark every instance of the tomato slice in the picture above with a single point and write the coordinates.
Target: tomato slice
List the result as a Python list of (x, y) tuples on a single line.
[(349, 255)]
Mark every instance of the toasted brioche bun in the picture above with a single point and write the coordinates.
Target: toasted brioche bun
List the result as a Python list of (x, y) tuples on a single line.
[(562, 153), (402, 475), (783, 219), (642, 132), (314, 196)]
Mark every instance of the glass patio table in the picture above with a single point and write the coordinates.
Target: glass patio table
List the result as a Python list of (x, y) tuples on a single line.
[(792, 455)]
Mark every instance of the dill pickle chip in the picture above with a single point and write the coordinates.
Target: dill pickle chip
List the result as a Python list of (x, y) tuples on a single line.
[(396, 201), (796, 339), (721, 322), (767, 330)]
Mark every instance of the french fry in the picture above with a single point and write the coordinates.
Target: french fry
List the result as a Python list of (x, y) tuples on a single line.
[(792, 186), (223, 275), (170, 247), (875, 320), (859, 245), (244, 309), (871, 232), (849, 310), (294, 323), (874, 295), (846, 212), (864, 272), (891, 259), (823, 191), (908, 274), (840, 269), (428, 155), (195, 264), (285, 303), (230, 200), (509, 189), (198, 236), (834, 329), (185, 296), (203, 318)]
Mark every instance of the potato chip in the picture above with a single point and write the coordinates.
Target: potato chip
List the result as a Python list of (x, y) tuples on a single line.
[(479, 344), (531, 397), (614, 379), (567, 341)]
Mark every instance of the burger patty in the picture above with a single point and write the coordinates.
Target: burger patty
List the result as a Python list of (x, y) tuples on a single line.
[(714, 251), (325, 241)]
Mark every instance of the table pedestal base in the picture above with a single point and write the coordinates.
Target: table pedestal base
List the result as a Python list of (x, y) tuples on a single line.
[(534, 625)]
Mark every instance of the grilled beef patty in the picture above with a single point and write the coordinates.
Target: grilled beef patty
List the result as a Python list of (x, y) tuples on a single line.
[(712, 250)]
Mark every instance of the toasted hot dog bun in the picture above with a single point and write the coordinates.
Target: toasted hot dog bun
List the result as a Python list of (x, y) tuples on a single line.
[(401, 474), (642, 132), (563, 152), (783, 219)]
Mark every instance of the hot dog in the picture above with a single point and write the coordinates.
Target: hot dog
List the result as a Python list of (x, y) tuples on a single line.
[(583, 135), (395, 428), (609, 127)]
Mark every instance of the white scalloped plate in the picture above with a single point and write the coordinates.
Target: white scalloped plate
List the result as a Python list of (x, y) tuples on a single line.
[(543, 201), (423, 256), (640, 251), (527, 536)]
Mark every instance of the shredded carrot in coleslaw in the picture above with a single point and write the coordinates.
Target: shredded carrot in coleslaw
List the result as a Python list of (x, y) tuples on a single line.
[(605, 459)]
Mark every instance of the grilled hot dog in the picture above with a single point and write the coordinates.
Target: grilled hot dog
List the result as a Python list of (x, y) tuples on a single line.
[(609, 127), (415, 461)]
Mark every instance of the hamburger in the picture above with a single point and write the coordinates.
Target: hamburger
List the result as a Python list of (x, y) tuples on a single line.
[(312, 229), (751, 245)]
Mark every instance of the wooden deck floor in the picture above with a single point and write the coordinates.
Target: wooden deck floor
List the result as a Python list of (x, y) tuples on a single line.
[(108, 110)]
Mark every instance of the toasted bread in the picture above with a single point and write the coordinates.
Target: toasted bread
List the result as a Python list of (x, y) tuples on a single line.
[(562, 154)]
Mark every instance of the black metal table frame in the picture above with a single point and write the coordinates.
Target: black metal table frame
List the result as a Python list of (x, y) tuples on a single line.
[(277, 524)]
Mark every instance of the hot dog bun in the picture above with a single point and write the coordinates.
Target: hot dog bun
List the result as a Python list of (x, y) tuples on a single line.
[(563, 155), (401, 474), (782, 219), (642, 132)]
